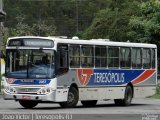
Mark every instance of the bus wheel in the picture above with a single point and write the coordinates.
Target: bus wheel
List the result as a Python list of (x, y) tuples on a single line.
[(28, 103), (89, 103), (73, 98), (127, 97)]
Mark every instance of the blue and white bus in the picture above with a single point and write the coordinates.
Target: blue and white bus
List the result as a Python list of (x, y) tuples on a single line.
[(65, 71)]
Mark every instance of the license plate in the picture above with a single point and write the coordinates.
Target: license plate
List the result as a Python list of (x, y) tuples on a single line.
[(25, 97)]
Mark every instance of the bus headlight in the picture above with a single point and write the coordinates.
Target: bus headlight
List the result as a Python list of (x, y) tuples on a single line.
[(45, 90), (10, 89), (10, 80)]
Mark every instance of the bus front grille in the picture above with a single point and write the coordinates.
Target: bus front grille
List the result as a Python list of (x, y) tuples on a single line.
[(27, 90)]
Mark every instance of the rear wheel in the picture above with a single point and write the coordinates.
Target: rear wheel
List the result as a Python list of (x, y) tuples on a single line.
[(89, 103), (73, 98), (28, 103), (127, 97)]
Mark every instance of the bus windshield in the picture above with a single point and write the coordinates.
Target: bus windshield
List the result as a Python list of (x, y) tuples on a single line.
[(29, 64)]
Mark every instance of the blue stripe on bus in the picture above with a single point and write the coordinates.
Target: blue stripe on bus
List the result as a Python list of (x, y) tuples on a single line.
[(112, 77), (32, 82)]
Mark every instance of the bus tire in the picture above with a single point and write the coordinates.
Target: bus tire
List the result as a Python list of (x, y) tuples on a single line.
[(73, 98), (89, 103), (127, 98), (28, 103)]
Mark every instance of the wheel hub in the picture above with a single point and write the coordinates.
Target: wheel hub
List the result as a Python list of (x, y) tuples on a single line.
[(70, 97)]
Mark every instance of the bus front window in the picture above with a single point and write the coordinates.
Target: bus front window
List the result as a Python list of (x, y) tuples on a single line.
[(30, 64)]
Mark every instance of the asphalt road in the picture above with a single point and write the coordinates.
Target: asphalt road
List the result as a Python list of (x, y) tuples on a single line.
[(141, 109)]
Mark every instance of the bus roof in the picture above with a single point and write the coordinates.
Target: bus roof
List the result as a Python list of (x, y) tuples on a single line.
[(91, 42)]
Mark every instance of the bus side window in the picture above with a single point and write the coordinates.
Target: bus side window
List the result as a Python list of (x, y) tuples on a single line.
[(136, 58), (87, 56), (125, 57), (74, 56), (146, 58), (113, 57), (62, 60)]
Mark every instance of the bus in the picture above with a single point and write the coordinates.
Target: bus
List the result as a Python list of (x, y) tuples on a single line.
[(65, 71)]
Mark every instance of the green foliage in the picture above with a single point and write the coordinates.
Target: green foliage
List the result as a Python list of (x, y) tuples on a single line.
[(112, 22), (62, 17), (118, 20), (145, 26), (157, 94), (42, 29), (100, 27)]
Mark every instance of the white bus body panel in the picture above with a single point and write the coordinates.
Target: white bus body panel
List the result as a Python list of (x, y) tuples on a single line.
[(101, 93), (142, 92)]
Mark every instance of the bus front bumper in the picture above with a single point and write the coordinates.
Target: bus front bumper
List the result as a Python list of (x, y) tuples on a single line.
[(50, 97)]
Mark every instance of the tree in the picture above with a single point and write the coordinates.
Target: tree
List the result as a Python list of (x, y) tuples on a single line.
[(145, 27), (72, 17), (42, 29), (112, 22)]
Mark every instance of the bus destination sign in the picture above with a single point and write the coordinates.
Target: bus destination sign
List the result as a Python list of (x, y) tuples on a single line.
[(31, 42)]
